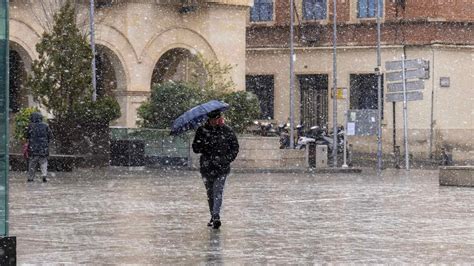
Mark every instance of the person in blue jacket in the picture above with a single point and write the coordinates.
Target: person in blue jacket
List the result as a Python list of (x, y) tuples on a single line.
[(38, 135)]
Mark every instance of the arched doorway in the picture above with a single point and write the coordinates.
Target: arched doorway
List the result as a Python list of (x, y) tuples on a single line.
[(178, 64), (18, 95), (109, 71), (111, 78)]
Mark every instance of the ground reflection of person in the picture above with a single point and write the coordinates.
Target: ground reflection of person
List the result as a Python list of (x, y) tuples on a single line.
[(218, 146), (214, 252)]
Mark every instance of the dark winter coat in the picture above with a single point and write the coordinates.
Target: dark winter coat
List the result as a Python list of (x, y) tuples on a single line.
[(39, 135), (218, 146)]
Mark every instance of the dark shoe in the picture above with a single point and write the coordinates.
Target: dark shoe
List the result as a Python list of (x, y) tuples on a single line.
[(30, 180), (210, 223), (216, 224), (45, 180)]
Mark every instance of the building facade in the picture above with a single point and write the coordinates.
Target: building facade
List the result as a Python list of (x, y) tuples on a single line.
[(441, 32), (138, 43), (141, 42)]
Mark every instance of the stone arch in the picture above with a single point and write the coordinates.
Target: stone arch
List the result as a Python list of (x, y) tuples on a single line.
[(121, 54), (178, 64), (112, 77), (22, 40), (24, 36), (19, 67), (111, 74), (116, 41), (174, 38)]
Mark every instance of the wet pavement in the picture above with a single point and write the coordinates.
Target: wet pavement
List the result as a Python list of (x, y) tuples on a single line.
[(110, 216)]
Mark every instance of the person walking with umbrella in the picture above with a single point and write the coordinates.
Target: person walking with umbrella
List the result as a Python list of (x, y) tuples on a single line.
[(218, 146)]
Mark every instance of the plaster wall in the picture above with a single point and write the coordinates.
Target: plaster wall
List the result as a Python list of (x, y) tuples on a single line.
[(137, 33), (452, 114)]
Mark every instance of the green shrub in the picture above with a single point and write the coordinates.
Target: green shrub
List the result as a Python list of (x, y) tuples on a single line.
[(244, 109), (167, 102), (102, 111), (22, 120)]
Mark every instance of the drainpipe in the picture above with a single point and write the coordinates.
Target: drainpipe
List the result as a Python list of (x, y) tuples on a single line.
[(432, 104)]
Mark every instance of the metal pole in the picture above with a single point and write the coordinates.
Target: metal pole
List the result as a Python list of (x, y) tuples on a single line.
[(334, 89), (396, 151), (405, 116), (346, 114), (94, 77), (379, 93), (394, 126), (292, 79)]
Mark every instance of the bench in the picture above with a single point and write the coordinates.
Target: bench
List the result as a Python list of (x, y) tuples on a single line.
[(56, 162)]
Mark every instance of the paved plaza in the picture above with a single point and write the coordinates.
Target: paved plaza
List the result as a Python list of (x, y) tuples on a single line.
[(120, 216)]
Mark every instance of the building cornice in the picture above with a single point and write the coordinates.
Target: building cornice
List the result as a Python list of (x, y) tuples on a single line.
[(364, 34), (355, 47), (232, 2)]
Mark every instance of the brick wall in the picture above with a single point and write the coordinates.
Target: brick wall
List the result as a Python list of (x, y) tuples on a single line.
[(442, 10), (420, 22)]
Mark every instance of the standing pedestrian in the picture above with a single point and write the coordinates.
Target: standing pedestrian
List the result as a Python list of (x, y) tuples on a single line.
[(38, 135), (218, 146)]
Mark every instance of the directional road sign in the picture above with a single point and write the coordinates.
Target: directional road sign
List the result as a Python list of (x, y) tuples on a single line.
[(409, 74), (398, 97), (410, 86), (409, 64)]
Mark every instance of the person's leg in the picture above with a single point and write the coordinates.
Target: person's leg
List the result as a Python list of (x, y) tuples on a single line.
[(218, 190), (44, 167), (33, 161), (208, 183)]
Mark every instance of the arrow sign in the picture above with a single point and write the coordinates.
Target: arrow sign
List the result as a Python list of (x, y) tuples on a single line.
[(410, 86), (409, 74), (398, 97), (413, 63)]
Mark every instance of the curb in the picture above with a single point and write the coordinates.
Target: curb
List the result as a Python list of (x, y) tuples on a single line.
[(298, 170)]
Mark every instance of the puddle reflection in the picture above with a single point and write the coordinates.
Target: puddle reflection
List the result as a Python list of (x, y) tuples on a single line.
[(214, 254)]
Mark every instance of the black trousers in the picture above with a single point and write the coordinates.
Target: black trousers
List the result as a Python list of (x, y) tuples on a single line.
[(215, 190)]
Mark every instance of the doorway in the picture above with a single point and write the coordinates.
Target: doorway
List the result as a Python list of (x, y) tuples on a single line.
[(314, 100)]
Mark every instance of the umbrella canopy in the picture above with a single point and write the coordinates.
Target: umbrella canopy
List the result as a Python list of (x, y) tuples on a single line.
[(196, 116)]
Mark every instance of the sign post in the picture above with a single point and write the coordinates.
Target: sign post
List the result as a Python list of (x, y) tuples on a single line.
[(292, 78), (405, 118), (405, 83)]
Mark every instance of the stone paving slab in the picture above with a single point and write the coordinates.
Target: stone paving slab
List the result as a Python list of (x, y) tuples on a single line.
[(110, 216)]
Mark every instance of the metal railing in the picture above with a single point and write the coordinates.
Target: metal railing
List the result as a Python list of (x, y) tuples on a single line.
[(160, 147)]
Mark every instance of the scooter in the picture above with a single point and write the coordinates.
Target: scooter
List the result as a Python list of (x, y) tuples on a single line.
[(265, 128), (320, 137), (314, 134), (284, 135)]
